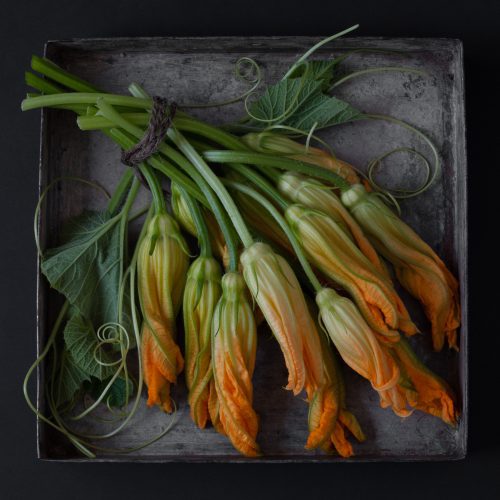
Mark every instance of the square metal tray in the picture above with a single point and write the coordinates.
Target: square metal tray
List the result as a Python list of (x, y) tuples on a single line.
[(199, 70)]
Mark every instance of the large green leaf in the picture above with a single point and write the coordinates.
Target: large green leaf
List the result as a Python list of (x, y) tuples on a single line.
[(81, 342), (86, 268), (301, 101), (283, 97), (324, 111)]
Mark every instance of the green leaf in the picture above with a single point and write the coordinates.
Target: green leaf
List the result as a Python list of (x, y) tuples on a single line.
[(117, 393), (301, 101), (287, 95), (86, 268), (324, 111), (323, 70), (81, 342), (71, 378)]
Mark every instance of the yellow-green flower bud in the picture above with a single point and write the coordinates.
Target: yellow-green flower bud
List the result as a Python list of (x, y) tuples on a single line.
[(202, 292), (331, 251), (274, 143), (276, 290), (313, 194), (234, 347), (183, 215), (417, 266), (360, 349), (162, 264)]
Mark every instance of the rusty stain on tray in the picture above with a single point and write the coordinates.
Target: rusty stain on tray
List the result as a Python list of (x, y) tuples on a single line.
[(198, 70)]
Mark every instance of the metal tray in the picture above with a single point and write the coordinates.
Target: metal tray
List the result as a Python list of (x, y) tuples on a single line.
[(198, 70)]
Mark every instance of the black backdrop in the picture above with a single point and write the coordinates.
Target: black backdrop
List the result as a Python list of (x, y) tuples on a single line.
[(24, 27)]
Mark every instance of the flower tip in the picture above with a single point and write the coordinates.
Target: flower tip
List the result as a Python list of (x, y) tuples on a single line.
[(353, 195)]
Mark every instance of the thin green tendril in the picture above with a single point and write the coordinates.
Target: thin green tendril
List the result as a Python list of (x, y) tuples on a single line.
[(430, 175), (253, 76), (44, 193), (314, 48), (381, 69), (309, 135)]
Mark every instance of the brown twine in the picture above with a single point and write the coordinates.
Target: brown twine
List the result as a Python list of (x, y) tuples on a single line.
[(161, 118)]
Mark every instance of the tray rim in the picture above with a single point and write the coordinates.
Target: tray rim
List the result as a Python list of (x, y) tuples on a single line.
[(461, 219)]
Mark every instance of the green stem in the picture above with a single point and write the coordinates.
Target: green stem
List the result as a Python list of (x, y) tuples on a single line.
[(47, 101), (260, 182), (181, 123), (199, 222), (316, 47), (134, 189), (155, 187), (210, 199), (265, 160), (207, 131), (262, 200), (232, 210), (51, 70), (160, 164), (120, 191), (41, 84)]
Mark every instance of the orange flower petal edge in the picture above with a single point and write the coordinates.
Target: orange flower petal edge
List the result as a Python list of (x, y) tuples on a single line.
[(161, 272), (234, 339), (328, 417), (201, 294), (314, 194), (359, 347), (417, 266), (272, 142), (276, 290), (331, 250), (432, 394)]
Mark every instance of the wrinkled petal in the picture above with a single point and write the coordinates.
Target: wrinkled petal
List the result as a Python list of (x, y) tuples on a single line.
[(329, 249), (432, 394), (234, 346), (201, 295), (417, 266), (275, 288), (359, 347), (313, 194), (161, 277)]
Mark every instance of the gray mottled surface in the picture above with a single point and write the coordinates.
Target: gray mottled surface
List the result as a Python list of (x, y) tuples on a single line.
[(200, 70)]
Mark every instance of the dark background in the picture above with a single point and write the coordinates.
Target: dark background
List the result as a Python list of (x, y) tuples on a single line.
[(24, 27)]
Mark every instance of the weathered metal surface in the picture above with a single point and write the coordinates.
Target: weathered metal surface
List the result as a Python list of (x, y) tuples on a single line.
[(200, 70)]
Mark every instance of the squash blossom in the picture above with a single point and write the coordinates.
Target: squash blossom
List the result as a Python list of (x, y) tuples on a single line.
[(328, 417), (234, 338), (161, 268), (313, 194), (275, 288), (417, 266), (185, 219), (201, 295), (334, 254), (431, 393), (359, 348), (265, 142)]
